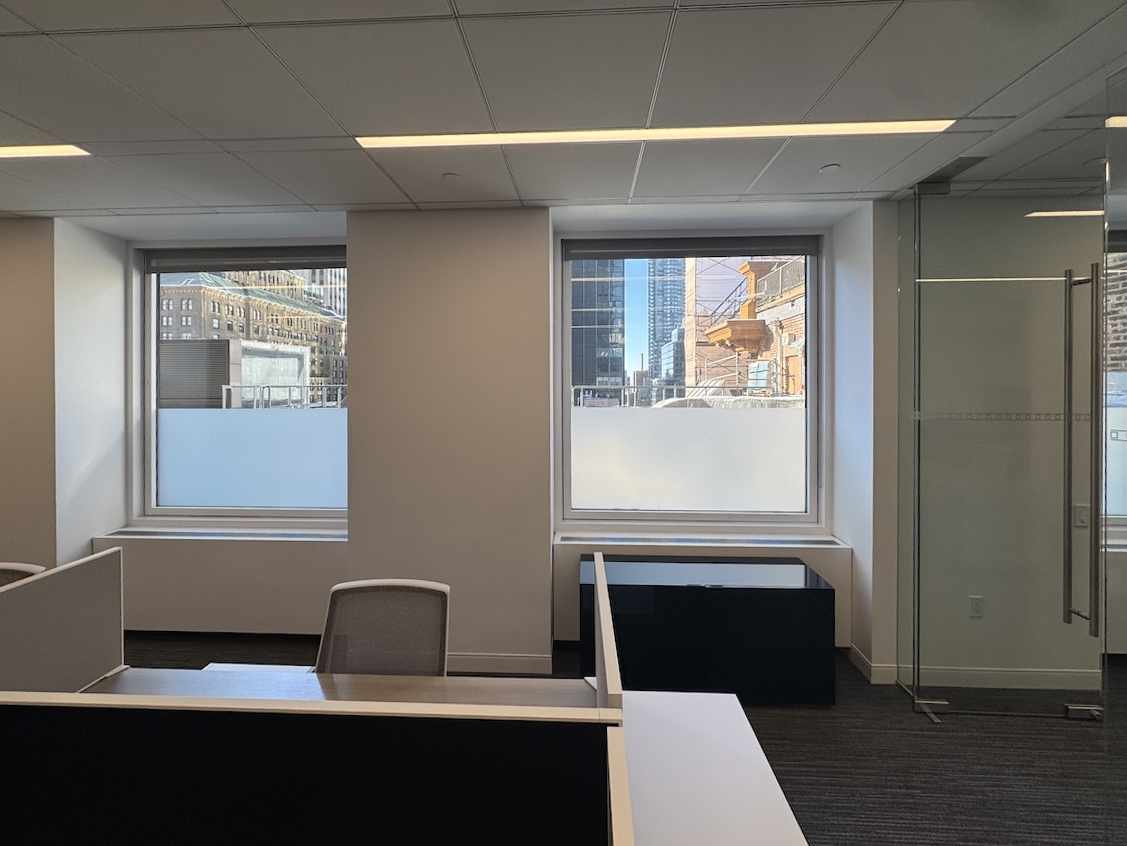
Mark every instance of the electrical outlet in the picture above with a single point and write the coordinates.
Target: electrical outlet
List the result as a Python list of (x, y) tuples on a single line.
[(1081, 516), (977, 607)]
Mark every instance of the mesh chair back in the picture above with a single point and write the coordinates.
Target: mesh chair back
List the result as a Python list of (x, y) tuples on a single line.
[(386, 627), (11, 572)]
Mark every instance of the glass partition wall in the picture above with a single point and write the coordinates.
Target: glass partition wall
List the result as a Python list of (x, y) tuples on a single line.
[(1000, 573)]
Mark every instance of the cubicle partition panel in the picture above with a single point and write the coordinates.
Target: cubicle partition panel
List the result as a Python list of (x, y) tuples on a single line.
[(146, 756), (145, 776), (62, 629)]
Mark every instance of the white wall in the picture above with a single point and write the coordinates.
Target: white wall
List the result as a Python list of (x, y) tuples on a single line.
[(450, 429), (852, 315), (27, 385), (89, 359)]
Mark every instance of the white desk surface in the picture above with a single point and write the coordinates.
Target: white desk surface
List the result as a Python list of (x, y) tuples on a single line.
[(698, 774)]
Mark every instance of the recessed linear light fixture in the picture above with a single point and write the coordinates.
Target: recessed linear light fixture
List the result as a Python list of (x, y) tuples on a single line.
[(41, 151), (684, 133), (1068, 213), (1116, 122)]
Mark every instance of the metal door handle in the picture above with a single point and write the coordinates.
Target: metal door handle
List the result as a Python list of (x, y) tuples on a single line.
[(1096, 510), (1066, 592)]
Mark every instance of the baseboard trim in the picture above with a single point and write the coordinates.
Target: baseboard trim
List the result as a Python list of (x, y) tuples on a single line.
[(1010, 678), (499, 662), (875, 673)]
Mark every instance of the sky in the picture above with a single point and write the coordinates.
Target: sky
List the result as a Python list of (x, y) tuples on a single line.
[(637, 314)]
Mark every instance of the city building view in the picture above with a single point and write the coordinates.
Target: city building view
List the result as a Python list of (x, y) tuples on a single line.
[(710, 328), (281, 335)]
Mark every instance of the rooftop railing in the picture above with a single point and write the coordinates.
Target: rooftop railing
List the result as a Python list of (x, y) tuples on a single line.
[(285, 396)]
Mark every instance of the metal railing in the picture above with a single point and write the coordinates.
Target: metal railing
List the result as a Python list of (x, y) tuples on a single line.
[(643, 396), (285, 396)]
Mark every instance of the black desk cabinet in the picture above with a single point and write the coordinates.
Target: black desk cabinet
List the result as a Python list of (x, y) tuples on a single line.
[(762, 628)]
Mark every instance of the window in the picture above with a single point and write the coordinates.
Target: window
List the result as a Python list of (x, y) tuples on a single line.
[(166, 320), (187, 305), (253, 428), (166, 304), (690, 374)]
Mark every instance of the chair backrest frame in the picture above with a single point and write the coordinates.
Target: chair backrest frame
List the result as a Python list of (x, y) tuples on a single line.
[(380, 584), (25, 570)]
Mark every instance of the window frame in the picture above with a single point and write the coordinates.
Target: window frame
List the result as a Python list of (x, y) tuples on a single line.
[(143, 435), (810, 522)]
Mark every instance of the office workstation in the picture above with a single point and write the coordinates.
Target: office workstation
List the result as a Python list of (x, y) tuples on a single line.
[(571, 421), (236, 745)]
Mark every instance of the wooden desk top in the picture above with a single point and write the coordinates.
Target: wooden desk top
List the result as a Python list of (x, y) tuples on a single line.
[(286, 690), (698, 774)]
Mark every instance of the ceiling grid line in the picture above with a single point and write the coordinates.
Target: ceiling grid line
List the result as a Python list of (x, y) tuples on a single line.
[(653, 98), (484, 96)]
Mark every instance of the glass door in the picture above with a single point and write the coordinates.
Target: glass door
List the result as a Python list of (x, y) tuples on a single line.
[(1005, 591)]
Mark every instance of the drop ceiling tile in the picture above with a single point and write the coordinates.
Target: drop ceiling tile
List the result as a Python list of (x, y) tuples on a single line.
[(569, 71), (945, 58), (862, 159), (1096, 106), (319, 10), (14, 131), (386, 78), (572, 171), (480, 174), (217, 179), (334, 207), (11, 23), (765, 65), (222, 82), (46, 85), (1016, 155), (120, 14), (339, 142), (1079, 159), (141, 148), (688, 168), (936, 153), (474, 7), (491, 204), (327, 176), (85, 183), (1087, 54)]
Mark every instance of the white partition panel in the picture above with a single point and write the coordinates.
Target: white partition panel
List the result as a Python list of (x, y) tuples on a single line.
[(62, 630), (608, 679)]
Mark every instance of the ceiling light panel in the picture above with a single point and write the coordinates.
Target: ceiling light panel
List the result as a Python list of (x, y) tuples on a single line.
[(684, 133)]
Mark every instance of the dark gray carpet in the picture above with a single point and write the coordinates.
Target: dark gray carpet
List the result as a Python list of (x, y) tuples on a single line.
[(868, 770)]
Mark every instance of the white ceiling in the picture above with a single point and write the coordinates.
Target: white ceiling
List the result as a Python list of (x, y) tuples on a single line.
[(197, 109)]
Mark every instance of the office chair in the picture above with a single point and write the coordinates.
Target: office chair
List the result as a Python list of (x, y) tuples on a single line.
[(395, 627), (11, 571)]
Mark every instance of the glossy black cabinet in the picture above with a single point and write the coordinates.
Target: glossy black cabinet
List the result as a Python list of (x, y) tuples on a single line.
[(762, 628)]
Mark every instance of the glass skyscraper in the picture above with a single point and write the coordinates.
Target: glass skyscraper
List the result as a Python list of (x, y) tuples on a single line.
[(666, 309), (598, 322)]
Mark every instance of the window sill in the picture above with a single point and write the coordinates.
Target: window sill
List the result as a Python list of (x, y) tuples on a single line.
[(225, 534)]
